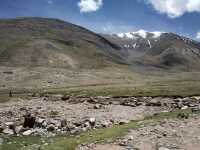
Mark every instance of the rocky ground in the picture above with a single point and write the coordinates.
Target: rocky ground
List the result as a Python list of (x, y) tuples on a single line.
[(57, 114), (167, 135)]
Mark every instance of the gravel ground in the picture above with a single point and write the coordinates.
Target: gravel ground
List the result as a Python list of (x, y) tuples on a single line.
[(15, 109), (170, 134), (167, 135)]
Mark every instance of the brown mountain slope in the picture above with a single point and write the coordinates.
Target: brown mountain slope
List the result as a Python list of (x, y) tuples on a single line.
[(53, 43), (46, 42)]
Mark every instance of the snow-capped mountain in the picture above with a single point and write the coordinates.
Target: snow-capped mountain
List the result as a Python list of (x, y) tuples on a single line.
[(140, 34), (140, 40), (159, 49)]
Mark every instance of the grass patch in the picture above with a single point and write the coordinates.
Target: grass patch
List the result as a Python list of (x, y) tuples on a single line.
[(182, 89), (17, 143)]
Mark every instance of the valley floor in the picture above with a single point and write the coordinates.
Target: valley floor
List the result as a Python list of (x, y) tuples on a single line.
[(94, 82), (98, 109)]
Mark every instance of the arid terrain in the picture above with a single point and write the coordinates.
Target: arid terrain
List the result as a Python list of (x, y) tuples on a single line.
[(118, 122), (64, 87)]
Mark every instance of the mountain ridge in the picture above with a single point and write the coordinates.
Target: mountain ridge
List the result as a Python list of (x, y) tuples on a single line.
[(50, 42)]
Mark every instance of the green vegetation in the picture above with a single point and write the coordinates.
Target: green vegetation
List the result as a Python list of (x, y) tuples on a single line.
[(162, 88), (101, 135)]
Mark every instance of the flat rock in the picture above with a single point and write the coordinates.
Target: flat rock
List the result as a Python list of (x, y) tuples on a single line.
[(28, 132), (8, 131)]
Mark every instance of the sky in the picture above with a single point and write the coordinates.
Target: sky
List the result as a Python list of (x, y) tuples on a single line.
[(114, 16)]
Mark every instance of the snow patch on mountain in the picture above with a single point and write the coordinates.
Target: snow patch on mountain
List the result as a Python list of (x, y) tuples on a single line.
[(149, 44), (140, 33), (157, 34)]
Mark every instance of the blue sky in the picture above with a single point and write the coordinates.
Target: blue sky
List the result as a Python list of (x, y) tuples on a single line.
[(114, 16)]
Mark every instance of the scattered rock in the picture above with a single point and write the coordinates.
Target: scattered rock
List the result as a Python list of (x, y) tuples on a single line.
[(184, 107), (28, 132), (65, 98), (63, 123), (121, 122), (2, 127), (92, 121), (195, 109), (130, 138), (39, 122), (105, 124), (51, 128), (53, 119), (97, 106), (18, 129), (163, 148), (154, 102), (9, 123), (8, 131), (29, 121)]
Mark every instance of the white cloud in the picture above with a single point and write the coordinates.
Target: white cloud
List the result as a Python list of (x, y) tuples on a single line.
[(175, 8), (90, 5), (50, 2), (198, 35)]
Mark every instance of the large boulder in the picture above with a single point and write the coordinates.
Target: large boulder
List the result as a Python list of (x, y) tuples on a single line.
[(29, 121)]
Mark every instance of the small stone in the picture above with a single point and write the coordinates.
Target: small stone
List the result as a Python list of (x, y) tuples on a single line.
[(97, 106), (84, 129), (123, 122), (9, 123), (8, 131), (184, 107), (65, 98), (105, 124), (28, 132), (18, 129), (40, 120), (92, 121), (51, 128), (44, 124), (63, 123), (87, 124), (2, 127), (130, 138), (163, 148), (195, 109)]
